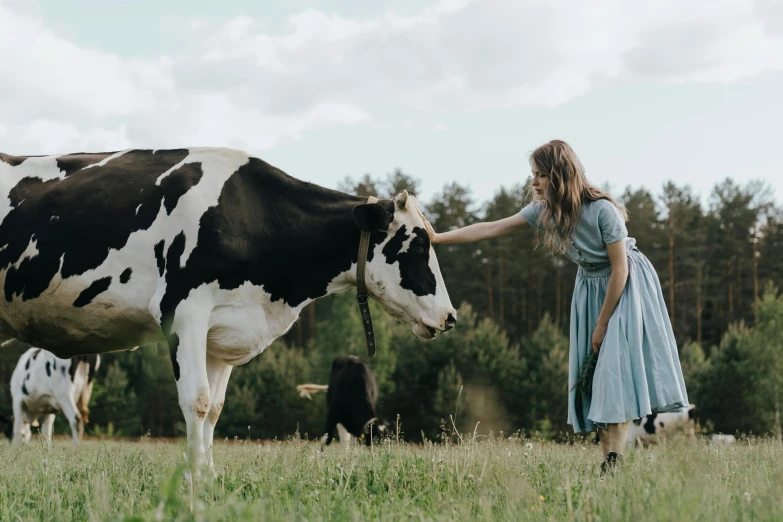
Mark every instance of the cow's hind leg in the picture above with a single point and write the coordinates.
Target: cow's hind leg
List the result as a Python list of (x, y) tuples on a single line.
[(331, 425), (218, 374), (345, 436), (74, 419), (46, 429), (188, 349)]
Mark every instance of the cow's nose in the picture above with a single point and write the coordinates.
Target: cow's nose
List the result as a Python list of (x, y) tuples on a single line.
[(451, 322)]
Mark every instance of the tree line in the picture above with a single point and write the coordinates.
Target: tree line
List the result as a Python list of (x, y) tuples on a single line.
[(505, 365)]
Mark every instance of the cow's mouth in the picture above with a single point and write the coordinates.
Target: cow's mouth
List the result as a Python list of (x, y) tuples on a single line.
[(431, 330)]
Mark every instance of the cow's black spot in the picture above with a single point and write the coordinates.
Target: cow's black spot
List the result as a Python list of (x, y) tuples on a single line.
[(91, 292), (13, 160), (415, 272), (159, 256), (71, 163), (54, 364), (266, 230), (92, 360), (48, 369), (27, 364), (24, 389), (35, 353), (174, 187), (74, 366), (125, 275), (649, 425), (173, 345), (96, 208), (637, 421), (62, 369)]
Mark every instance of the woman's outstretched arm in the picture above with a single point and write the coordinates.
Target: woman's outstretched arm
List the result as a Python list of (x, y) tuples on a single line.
[(614, 290), (478, 231)]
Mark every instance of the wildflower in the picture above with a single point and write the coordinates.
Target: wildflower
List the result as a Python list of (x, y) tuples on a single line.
[(529, 445), (541, 498)]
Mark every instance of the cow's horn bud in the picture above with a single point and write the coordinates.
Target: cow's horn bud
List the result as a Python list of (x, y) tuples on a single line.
[(402, 199)]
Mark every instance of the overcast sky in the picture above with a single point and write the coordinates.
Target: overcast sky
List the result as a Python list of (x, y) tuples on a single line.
[(451, 90)]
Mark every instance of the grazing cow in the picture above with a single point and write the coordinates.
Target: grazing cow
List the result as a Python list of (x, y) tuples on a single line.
[(651, 427), (656, 425), (43, 384), (350, 401), (722, 439), (211, 250)]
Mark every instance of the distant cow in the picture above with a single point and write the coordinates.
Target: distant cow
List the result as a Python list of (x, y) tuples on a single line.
[(651, 427), (350, 400), (655, 425), (43, 384)]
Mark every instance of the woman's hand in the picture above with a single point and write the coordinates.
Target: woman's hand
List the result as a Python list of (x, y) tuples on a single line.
[(598, 337), (477, 231), (430, 231)]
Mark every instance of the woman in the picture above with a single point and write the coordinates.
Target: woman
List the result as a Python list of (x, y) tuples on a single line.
[(617, 310)]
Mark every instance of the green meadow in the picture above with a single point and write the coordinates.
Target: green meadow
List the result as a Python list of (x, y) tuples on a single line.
[(489, 479)]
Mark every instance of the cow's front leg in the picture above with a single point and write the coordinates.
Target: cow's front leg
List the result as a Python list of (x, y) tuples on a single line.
[(218, 374), (188, 349), (22, 431)]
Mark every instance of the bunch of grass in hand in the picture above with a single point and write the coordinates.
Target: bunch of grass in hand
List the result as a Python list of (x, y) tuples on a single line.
[(584, 381)]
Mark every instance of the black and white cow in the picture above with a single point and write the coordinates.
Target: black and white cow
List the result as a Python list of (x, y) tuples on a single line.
[(350, 401), (43, 384), (657, 425), (212, 250)]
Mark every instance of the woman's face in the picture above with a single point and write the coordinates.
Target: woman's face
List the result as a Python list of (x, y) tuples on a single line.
[(540, 181)]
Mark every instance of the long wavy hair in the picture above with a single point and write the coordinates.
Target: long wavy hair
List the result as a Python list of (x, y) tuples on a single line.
[(567, 191)]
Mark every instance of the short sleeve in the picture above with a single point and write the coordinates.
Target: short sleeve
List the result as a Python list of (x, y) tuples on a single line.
[(611, 223), (531, 212)]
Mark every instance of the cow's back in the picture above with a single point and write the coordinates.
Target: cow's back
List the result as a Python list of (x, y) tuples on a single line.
[(351, 377)]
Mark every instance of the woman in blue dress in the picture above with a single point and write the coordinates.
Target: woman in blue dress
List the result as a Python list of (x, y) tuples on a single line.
[(617, 309)]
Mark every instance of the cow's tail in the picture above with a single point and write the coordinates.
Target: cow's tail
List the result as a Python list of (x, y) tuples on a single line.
[(306, 389)]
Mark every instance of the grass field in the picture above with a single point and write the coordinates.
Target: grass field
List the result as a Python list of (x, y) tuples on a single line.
[(488, 480)]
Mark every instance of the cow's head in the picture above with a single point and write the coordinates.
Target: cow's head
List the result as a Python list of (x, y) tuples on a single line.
[(376, 430), (403, 274)]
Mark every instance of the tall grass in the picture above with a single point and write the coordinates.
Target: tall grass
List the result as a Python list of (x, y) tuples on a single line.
[(498, 479)]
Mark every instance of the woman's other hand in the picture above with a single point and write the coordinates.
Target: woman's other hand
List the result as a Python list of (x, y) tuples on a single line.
[(598, 337)]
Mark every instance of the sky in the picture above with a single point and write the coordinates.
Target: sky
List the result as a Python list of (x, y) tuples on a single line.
[(447, 90)]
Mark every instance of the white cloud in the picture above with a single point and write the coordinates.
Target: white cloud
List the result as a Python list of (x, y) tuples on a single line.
[(253, 89)]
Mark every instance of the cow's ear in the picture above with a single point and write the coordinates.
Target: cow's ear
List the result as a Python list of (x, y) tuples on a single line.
[(370, 217)]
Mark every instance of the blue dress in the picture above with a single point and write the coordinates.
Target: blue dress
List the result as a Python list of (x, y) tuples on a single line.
[(638, 367)]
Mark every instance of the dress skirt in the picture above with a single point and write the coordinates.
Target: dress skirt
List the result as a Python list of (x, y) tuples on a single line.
[(638, 367)]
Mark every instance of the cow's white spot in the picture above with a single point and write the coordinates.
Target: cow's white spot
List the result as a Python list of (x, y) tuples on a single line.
[(29, 252), (104, 161)]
